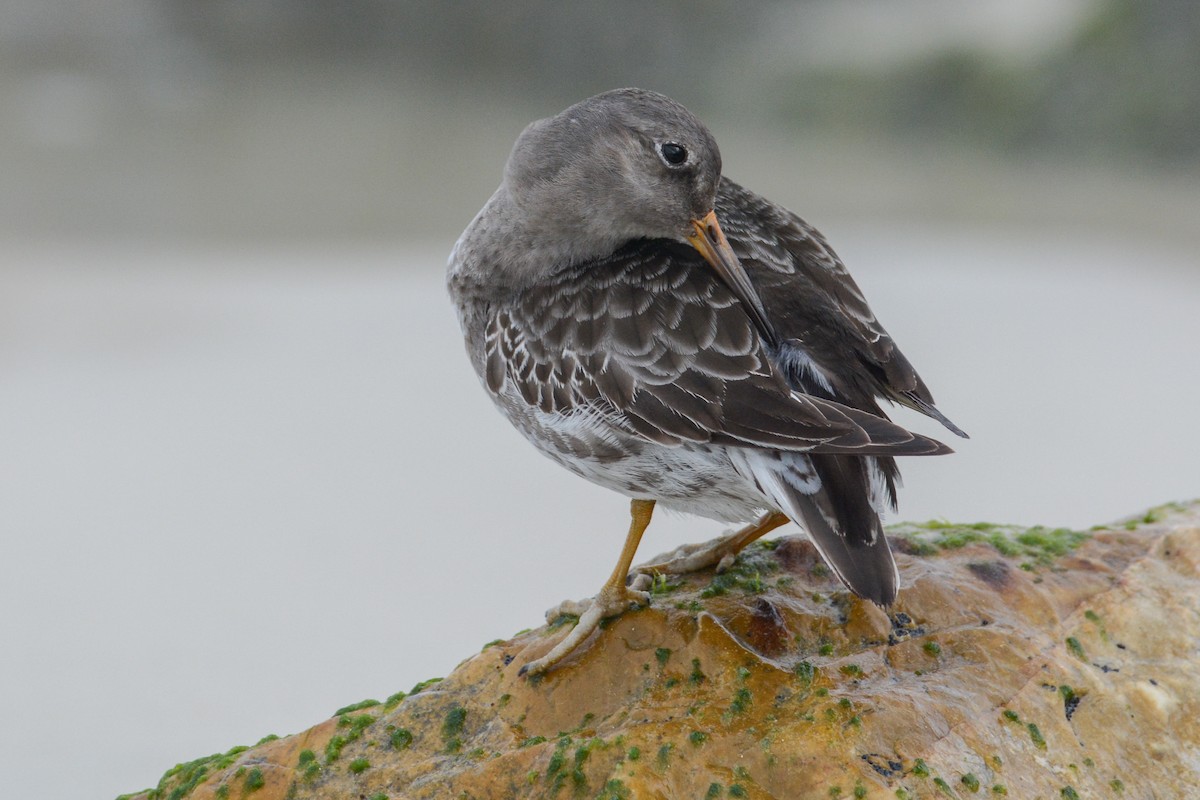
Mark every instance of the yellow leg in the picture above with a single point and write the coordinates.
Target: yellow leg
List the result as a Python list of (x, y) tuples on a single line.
[(720, 553), (614, 597)]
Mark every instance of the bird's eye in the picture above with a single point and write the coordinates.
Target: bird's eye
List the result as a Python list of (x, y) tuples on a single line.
[(674, 154)]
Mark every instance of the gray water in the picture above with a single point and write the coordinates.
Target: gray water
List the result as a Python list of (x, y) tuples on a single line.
[(241, 488)]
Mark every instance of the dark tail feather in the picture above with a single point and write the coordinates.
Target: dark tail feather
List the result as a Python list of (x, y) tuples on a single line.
[(840, 517), (865, 566)]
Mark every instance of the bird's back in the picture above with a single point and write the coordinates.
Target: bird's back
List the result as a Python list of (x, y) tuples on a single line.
[(830, 346)]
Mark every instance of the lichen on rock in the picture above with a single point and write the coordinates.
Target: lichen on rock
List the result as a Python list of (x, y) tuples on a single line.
[(1016, 662)]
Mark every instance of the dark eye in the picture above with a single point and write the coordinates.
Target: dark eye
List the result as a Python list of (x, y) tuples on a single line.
[(673, 154)]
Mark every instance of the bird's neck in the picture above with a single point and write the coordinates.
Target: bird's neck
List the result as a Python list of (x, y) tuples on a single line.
[(506, 246)]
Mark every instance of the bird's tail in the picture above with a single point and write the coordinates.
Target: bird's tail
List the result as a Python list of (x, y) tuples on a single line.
[(837, 500)]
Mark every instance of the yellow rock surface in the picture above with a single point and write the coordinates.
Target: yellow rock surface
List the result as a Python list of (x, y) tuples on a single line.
[(1018, 663)]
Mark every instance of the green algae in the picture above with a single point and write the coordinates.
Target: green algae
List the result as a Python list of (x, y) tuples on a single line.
[(1158, 514), (400, 739), (359, 766), (356, 724), (254, 780), (1075, 648), (555, 773), (1036, 737), (188, 775), (359, 706), (333, 748), (970, 781), (1039, 544), (614, 789), (932, 649), (452, 726), (745, 574), (307, 766), (664, 585), (742, 700), (582, 753), (423, 685), (354, 727)]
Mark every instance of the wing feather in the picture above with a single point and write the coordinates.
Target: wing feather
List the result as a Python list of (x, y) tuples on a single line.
[(818, 309), (595, 336)]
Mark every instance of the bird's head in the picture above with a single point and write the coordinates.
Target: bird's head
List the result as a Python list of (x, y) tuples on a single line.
[(626, 164), (622, 165)]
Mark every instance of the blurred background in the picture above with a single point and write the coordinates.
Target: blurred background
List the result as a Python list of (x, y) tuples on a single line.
[(245, 469)]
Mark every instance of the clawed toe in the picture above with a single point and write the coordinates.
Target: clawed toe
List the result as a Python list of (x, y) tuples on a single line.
[(568, 608), (609, 603), (692, 558), (640, 582)]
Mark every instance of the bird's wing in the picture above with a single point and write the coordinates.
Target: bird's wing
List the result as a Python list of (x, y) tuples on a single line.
[(837, 347), (655, 343)]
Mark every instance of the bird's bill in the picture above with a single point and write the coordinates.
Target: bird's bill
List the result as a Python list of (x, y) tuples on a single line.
[(710, 240)]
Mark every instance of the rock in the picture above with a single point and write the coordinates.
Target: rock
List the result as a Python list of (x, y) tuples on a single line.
[(1020, 662)]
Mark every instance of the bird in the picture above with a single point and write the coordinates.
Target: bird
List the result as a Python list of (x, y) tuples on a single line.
[(659, 330)]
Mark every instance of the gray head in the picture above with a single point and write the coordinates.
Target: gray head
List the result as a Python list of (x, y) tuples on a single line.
[(622, 165), (626, 164)]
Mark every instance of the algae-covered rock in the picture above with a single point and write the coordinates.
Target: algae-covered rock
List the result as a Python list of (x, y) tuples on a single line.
[(1017, 662)]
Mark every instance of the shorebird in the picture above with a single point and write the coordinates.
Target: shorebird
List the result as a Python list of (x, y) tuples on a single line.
[(661, 331)]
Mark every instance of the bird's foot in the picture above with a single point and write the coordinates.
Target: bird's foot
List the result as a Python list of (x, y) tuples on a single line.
[(637, 584), (610, 602), (720, 553), (693, 558)]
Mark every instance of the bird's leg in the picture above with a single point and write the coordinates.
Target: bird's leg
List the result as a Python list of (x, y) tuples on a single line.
[(692, 558), (614, 597)]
